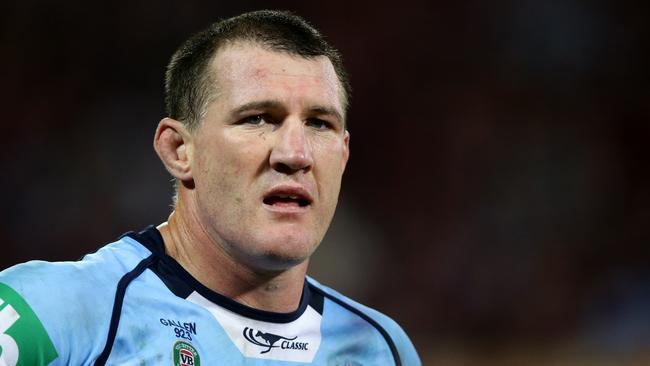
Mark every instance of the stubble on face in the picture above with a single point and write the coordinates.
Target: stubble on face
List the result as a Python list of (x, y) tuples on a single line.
[(234, 164)]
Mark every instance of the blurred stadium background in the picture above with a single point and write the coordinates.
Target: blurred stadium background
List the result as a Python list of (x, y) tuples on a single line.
[(497, 202)]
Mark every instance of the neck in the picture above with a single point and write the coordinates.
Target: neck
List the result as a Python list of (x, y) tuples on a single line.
[(205, 258)]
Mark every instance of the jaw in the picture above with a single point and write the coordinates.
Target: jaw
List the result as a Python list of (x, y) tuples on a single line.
[(279, 243), (275, 257)]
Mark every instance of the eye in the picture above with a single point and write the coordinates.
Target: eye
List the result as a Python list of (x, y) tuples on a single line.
[(255, 120), (318, 124)]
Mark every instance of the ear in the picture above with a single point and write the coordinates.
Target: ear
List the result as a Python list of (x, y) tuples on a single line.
[(173, 144), (346, 149)]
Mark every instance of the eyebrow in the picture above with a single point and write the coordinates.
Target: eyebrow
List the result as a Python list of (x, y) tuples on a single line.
[(327, 111), (273, 104), (264, 104)]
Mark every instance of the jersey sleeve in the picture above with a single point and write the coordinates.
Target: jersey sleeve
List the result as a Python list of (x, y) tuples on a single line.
[(58, 313), (53, 313), (405, 348), (407, 353)]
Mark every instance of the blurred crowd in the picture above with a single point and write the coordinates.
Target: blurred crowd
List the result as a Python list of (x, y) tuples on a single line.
[(497, 200)]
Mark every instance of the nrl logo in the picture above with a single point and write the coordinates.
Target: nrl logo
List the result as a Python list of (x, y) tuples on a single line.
[(269, 340)]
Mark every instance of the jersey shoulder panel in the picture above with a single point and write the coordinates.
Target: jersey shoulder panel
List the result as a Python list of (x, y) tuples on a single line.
[(387, 326), (71, 301)]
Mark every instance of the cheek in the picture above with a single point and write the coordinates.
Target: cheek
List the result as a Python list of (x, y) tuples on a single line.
[(330, 171), (224, 175), (213, 175)]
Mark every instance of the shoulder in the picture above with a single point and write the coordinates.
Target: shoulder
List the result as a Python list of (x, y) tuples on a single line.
[(35, 280), (389, 329), (67, 304)]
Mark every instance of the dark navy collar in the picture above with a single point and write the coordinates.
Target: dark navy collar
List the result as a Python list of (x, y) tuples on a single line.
[(182, 283)]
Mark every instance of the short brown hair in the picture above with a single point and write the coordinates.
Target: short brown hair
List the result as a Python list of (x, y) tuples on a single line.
[(188, 87)]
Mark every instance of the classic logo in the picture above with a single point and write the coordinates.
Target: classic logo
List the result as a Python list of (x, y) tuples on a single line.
[(185, 355), (269, 340)]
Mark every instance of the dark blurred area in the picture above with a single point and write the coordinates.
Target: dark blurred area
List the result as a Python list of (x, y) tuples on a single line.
[(497, 201)]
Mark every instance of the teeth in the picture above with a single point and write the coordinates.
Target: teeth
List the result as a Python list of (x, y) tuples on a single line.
[(290, 196)]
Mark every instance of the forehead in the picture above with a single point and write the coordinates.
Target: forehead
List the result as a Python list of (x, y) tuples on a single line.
[(245, 72)]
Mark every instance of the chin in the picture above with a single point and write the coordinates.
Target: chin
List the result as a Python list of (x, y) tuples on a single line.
[(283, 252)]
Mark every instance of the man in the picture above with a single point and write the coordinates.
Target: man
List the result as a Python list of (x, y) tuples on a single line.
[(257, 142)]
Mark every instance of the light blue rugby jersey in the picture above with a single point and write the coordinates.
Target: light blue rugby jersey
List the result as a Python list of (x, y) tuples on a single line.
[(131, 304)]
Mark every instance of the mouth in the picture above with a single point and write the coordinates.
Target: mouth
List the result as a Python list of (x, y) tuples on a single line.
[(287, 197)]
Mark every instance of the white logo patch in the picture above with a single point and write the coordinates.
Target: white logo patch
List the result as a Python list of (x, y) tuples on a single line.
[(296, 341)]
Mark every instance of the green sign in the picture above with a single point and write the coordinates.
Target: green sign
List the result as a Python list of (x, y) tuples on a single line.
[(23, 339)]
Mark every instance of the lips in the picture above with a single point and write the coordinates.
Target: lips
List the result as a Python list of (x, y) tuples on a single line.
[(287, 197)]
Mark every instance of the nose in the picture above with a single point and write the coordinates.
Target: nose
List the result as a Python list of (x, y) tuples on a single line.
[(291, 151)]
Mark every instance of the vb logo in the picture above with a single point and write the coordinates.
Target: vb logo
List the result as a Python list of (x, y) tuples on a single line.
[(185, 355), (187, 358), (269, 340)]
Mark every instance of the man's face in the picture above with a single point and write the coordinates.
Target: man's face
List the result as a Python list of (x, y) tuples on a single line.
[(268, 157)]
